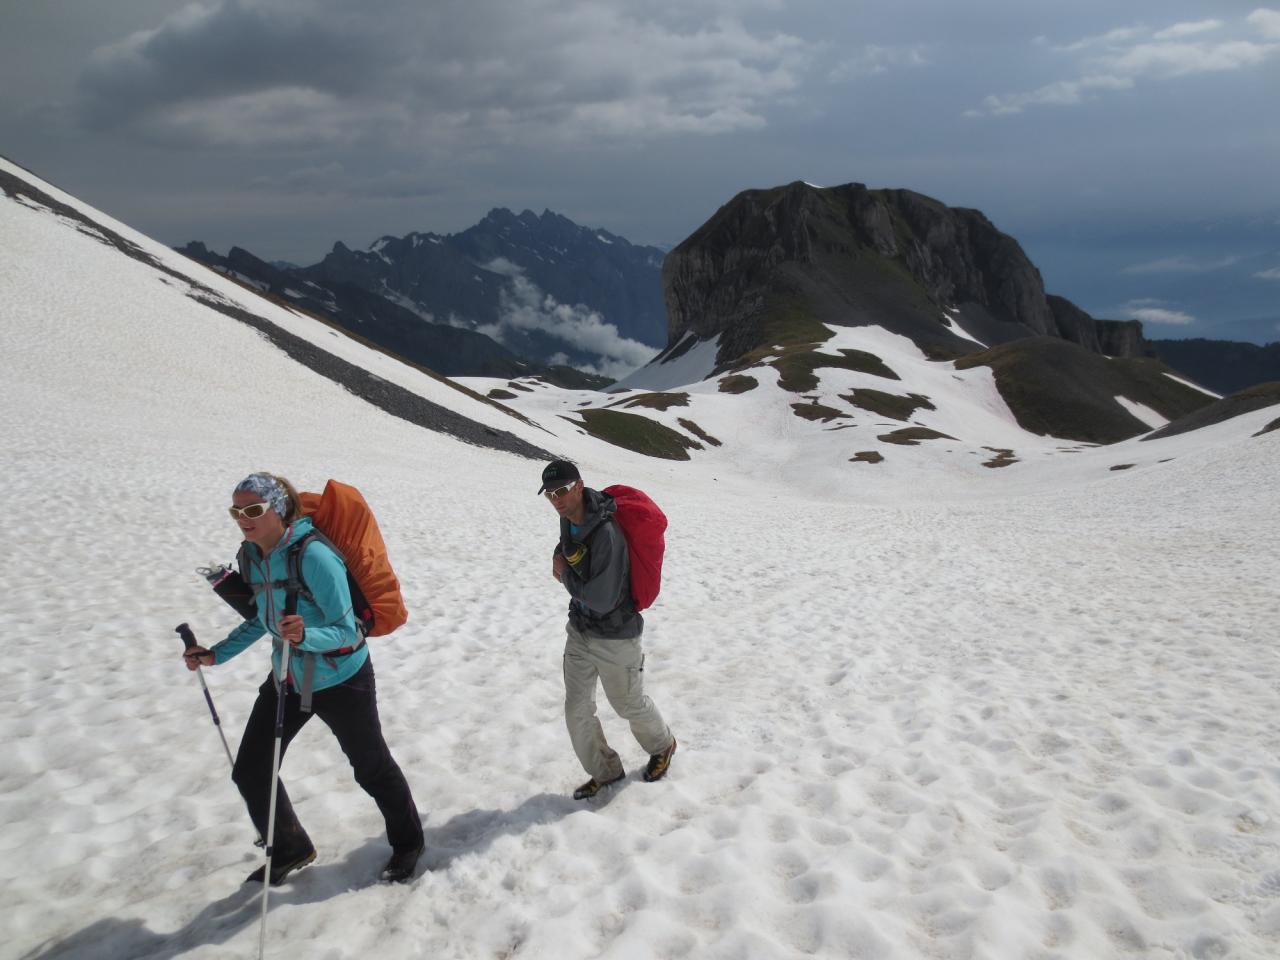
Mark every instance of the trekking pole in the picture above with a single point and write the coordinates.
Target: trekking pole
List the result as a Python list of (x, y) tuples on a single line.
[(189, 641), (290, 608)]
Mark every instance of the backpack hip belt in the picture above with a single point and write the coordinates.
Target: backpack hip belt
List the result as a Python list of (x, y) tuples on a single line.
[(309, 667)]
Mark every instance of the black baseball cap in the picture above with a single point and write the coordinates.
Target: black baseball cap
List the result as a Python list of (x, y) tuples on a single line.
[(558, 473)]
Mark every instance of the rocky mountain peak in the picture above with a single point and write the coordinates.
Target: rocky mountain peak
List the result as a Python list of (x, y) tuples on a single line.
[(849, 256)]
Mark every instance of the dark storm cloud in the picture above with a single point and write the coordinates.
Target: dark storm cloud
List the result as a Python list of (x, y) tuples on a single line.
[(250, 74), (1102, 136)]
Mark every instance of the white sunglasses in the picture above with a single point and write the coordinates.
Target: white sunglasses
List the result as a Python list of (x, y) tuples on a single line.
[(252, 512), (559, 492)]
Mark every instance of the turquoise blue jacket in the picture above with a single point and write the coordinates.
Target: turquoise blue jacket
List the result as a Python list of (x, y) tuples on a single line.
[(329, 621)]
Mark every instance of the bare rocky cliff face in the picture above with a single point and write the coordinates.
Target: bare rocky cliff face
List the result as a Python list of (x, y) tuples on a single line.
[(1123, 338), (771, 259)]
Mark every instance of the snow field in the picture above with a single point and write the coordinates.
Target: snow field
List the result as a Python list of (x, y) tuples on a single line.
[(1033, 718)]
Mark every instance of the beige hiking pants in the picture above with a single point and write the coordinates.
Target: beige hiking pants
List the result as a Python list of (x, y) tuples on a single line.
[(619, 665)]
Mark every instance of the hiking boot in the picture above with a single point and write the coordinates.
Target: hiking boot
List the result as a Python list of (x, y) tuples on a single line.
[(659, 763), (594, 786), (282, 866), (403, 863)]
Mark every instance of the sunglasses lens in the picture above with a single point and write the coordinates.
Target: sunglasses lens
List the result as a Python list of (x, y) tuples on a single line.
[(252, 512)]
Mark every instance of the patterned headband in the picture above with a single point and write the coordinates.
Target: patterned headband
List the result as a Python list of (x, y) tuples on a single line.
[(269, 489)]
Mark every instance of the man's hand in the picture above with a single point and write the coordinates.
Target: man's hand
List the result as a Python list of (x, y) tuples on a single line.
[(291, 629), (558, 566)]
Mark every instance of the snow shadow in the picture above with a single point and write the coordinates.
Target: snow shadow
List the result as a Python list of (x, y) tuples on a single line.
[(476, 830), (220, 921)]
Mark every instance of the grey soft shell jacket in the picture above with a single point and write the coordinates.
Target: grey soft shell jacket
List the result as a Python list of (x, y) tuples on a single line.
[(601, 584)]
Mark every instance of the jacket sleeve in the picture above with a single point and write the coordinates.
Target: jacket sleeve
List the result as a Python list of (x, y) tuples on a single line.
[(330, 623), (608, 576), (237, 640)]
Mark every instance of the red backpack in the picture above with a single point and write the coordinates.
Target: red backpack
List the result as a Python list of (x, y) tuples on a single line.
[(643, 526)]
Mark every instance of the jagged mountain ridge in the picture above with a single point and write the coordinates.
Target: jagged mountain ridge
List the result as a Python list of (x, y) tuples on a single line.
[(509, 277), (573, 264), (467, 278), (449, 351)]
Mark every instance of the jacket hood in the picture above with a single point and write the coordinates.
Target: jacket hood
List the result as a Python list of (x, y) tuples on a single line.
[(599, 505)]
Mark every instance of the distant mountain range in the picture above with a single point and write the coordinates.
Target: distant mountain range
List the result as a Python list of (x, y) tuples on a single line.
[(541, 290), (1224, 365)]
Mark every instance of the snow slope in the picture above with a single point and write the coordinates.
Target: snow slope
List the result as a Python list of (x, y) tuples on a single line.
[(1034, 717)]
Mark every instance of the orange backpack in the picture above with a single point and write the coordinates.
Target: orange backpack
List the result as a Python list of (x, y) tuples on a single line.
[(344, 521)]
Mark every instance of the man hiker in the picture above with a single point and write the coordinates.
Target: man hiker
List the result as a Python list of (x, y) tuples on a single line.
[(604, 628)]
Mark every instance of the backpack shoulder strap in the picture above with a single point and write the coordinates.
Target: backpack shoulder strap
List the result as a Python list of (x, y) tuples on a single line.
[(293, 560)]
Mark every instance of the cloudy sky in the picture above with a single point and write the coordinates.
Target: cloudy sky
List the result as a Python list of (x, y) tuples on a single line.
[(1132, 148)]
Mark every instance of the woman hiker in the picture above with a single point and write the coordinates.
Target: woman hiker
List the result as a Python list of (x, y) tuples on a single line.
[(342, 691)]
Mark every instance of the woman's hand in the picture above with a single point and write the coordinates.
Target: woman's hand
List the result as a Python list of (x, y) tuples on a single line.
[(291, 629), (197, 657)]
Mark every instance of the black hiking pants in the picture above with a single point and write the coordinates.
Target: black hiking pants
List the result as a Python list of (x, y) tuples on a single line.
[(350, 710)]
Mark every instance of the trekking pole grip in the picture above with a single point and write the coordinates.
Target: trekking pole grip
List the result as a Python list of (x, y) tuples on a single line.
[(188, 638)]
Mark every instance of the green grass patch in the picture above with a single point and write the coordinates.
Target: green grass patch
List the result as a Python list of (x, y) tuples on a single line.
[(816, 412), (1057, 388), (889, 405), (940, 353), (698, 432), (911, 436), (1002, 458), (497, 394), (783, 326), (1256, 397), (789, 322), (654, 401), (633, 432), (738, 383), (797, 366)]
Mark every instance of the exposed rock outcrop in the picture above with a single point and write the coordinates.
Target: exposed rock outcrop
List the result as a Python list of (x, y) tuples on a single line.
[(1077, 326), (1122, 338), (770, 263)]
